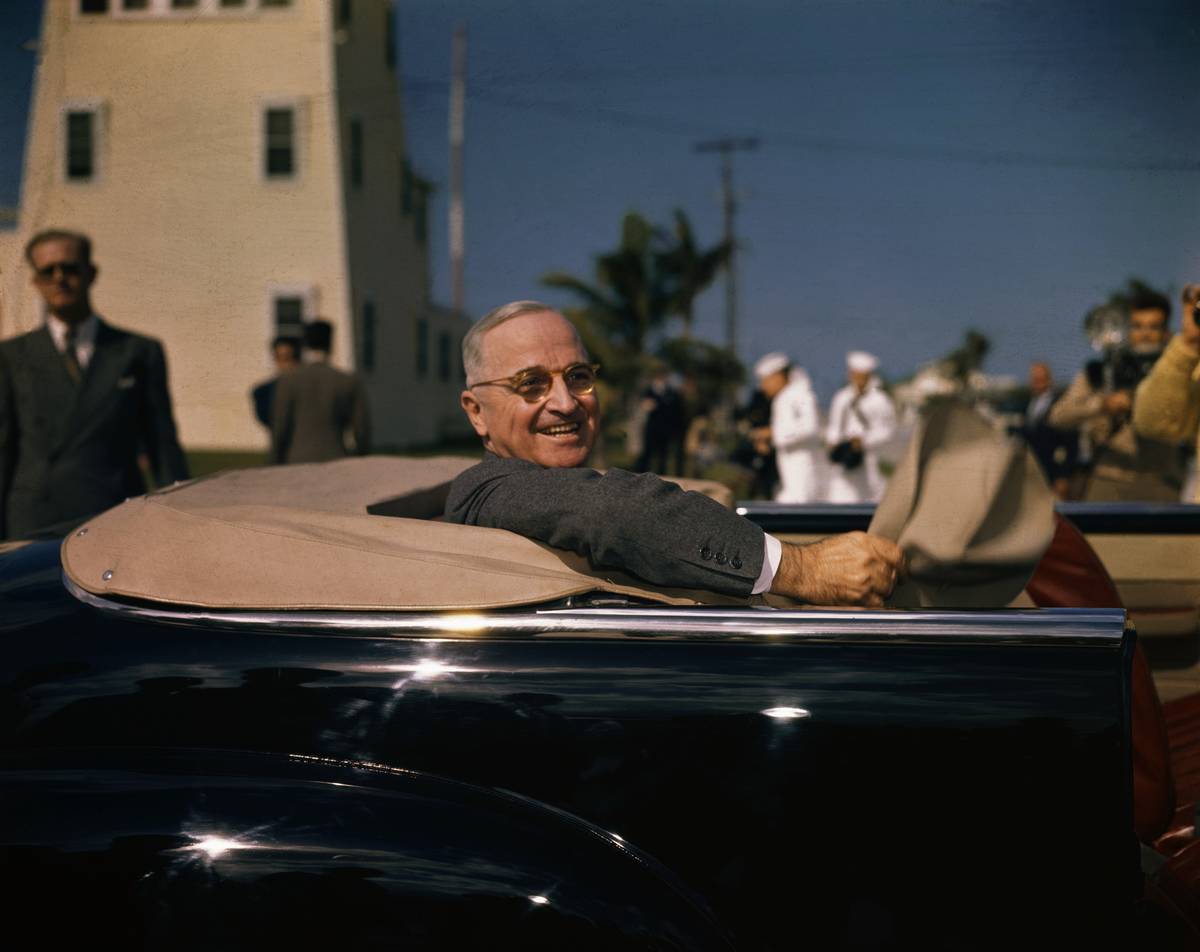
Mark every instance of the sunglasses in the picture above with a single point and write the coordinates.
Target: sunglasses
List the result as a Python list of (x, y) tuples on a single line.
[(68, 269), (535, 383)]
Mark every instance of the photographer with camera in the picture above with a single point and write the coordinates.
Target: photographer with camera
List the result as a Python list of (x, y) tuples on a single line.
[(1167, 408), (1100, 402), (861, 419)]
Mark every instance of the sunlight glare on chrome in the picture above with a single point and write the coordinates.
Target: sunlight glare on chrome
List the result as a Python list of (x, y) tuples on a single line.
[(787, 713), (429, 668), (216, 846), (463, 623)]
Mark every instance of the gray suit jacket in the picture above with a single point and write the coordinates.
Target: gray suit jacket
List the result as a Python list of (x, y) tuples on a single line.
[(68, 451), (314, 406), (631, 521)]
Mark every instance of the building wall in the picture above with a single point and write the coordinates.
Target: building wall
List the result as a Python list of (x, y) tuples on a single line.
[(389, 261), (190, 235)]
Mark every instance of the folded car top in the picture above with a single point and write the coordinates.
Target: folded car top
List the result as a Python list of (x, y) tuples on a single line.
[(356, 535)]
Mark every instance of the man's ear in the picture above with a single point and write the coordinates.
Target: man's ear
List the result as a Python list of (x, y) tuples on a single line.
[(474, 411)]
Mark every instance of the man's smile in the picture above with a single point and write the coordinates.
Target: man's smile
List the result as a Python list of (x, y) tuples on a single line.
[(560, 429)]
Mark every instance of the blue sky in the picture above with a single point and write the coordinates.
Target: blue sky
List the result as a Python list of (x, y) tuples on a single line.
[(924, 168)]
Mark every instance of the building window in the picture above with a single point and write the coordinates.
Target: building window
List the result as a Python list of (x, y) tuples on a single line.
[(280, 127), (275, 3), (289, 315), (233, 3), (81, 145), (422, 347), (135, 5), (93, 6), (443, 356), (389, 39), (368, 335), (183, 4), (345, 12), (356, 153)]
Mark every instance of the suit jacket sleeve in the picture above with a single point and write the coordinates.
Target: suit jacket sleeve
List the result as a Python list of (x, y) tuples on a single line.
[(158, 423), (634, 522)]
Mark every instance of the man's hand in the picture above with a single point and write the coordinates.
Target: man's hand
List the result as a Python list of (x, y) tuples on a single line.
[(1117, 403), (850, 569)]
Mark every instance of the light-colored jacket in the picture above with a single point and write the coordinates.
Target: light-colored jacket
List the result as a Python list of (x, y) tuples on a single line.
[(796, 436), (315, 407), (1167, 407)]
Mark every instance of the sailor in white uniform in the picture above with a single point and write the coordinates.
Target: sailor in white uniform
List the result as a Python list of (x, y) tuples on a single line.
[(795, 428), (861, 419)]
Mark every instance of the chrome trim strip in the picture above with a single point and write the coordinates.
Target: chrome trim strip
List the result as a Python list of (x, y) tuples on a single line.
[(1101, 627)]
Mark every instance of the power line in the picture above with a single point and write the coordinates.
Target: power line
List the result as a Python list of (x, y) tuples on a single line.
[(971, 155)]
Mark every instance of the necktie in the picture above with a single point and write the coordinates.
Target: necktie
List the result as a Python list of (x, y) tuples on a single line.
[(70, 358)]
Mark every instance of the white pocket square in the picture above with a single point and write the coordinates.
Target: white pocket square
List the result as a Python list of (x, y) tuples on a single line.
[(125, 383)]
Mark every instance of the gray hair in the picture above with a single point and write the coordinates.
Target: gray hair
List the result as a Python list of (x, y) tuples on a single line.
[(472, 345)]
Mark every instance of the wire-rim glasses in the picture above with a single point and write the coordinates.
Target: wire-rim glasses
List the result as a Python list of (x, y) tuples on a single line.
[(535, 383)]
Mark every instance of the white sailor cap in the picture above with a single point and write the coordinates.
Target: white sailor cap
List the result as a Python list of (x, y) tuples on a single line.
[(771, 363), (861, 362)]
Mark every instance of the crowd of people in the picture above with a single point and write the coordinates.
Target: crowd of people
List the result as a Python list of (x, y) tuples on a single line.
[(788, 453), (1125, 429)]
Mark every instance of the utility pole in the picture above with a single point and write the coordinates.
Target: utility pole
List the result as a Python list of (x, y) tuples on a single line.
[(726, 147), (458, 89)]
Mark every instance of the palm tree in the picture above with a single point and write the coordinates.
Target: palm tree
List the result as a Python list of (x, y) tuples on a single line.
[(629, 299), (688, 270)]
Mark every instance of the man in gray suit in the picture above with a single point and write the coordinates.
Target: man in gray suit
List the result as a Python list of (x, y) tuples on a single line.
[(79, 401), (316, 405), (531, 398)]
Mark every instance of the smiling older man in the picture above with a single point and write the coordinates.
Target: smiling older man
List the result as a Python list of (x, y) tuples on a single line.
[(531, 398)]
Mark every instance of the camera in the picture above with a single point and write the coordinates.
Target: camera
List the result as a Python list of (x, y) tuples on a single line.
[(1122, 369), (845, 455)]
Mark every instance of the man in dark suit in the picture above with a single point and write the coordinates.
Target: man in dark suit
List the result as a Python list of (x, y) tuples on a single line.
[(531, 398), (317, 405), (1057, 451), (79, 401), (285, 352)]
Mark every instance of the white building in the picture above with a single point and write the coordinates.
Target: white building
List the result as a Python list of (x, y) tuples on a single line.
[(240, 166)]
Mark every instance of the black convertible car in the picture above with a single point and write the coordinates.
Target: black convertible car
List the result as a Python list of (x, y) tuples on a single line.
[(230, 723)]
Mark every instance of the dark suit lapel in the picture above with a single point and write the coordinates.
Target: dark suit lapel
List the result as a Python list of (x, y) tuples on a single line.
[(99, 378), (57, 392)]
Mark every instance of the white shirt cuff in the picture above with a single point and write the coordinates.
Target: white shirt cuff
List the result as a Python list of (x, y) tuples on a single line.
[(772, 554)]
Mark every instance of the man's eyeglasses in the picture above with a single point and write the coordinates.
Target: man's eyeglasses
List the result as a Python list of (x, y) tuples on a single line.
[(68, 269), (535, 383)]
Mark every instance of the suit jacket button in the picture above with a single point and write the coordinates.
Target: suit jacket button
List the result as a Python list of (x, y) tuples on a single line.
[(721, 560), (735, 562), (706, 553)]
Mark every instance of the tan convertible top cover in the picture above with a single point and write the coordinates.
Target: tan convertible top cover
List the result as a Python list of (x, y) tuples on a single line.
[(349, 535)]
